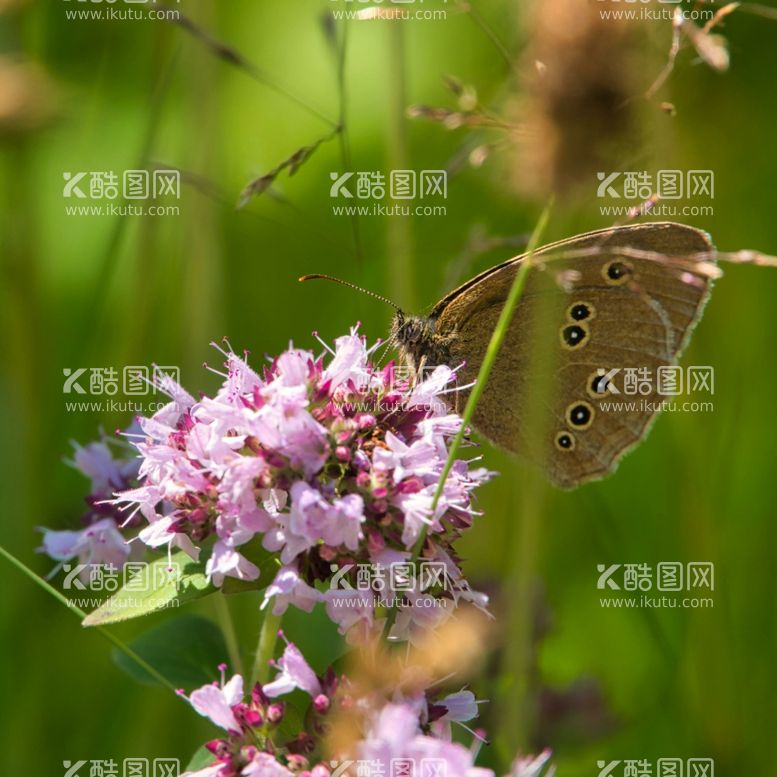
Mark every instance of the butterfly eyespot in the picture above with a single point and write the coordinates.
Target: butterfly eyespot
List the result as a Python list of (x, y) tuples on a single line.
[(598, 384), (580, 311), (574, 335), (565, 441), (617, 273), (580, 415)]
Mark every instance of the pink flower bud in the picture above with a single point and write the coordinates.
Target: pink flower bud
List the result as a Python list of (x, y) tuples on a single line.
[(366, 421), (380, 505), (375, 541), (275, 712), (297, 762)]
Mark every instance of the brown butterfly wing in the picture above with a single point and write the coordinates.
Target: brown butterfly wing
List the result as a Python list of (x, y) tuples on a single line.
[(629, 300)]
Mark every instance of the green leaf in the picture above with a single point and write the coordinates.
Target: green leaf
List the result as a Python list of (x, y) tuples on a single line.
[(315, 635), (201, 758), (186, 650), (152, 590)]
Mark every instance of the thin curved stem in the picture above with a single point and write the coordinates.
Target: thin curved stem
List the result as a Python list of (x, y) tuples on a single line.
[(112, 638), (494, 345), (265, 648), (228, 630)]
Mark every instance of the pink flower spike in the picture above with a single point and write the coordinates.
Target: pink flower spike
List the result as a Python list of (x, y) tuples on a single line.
[(288, 588), (99, 544), (227, 562), (533, 766), (461, 706), (97, 463), (214, 770), (264, 765), (216, 703), (295, 672), (320, 459)]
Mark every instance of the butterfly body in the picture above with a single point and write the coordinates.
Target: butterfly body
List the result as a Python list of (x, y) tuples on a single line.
[(622, 299), (418, 341)]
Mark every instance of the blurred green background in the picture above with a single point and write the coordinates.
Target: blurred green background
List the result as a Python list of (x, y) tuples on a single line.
[(107, 291)]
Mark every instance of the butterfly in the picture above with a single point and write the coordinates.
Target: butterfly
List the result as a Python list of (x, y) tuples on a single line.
[(601, 313)]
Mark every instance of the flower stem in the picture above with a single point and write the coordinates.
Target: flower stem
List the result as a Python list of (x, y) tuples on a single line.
[(265, 647), (399, 231), (112, 638), (494, 344), (228, 630), (342, 122)]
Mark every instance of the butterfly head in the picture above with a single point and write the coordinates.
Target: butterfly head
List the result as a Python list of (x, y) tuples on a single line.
[(414, 335), (416, 339)]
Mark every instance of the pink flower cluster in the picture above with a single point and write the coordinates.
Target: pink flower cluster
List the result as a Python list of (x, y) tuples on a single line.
[(412, 727), (329, 462), (100, 542), (254, 745)]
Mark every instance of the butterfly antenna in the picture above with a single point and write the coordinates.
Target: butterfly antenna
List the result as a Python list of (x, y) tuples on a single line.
[(352, 286), (386, 348)]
